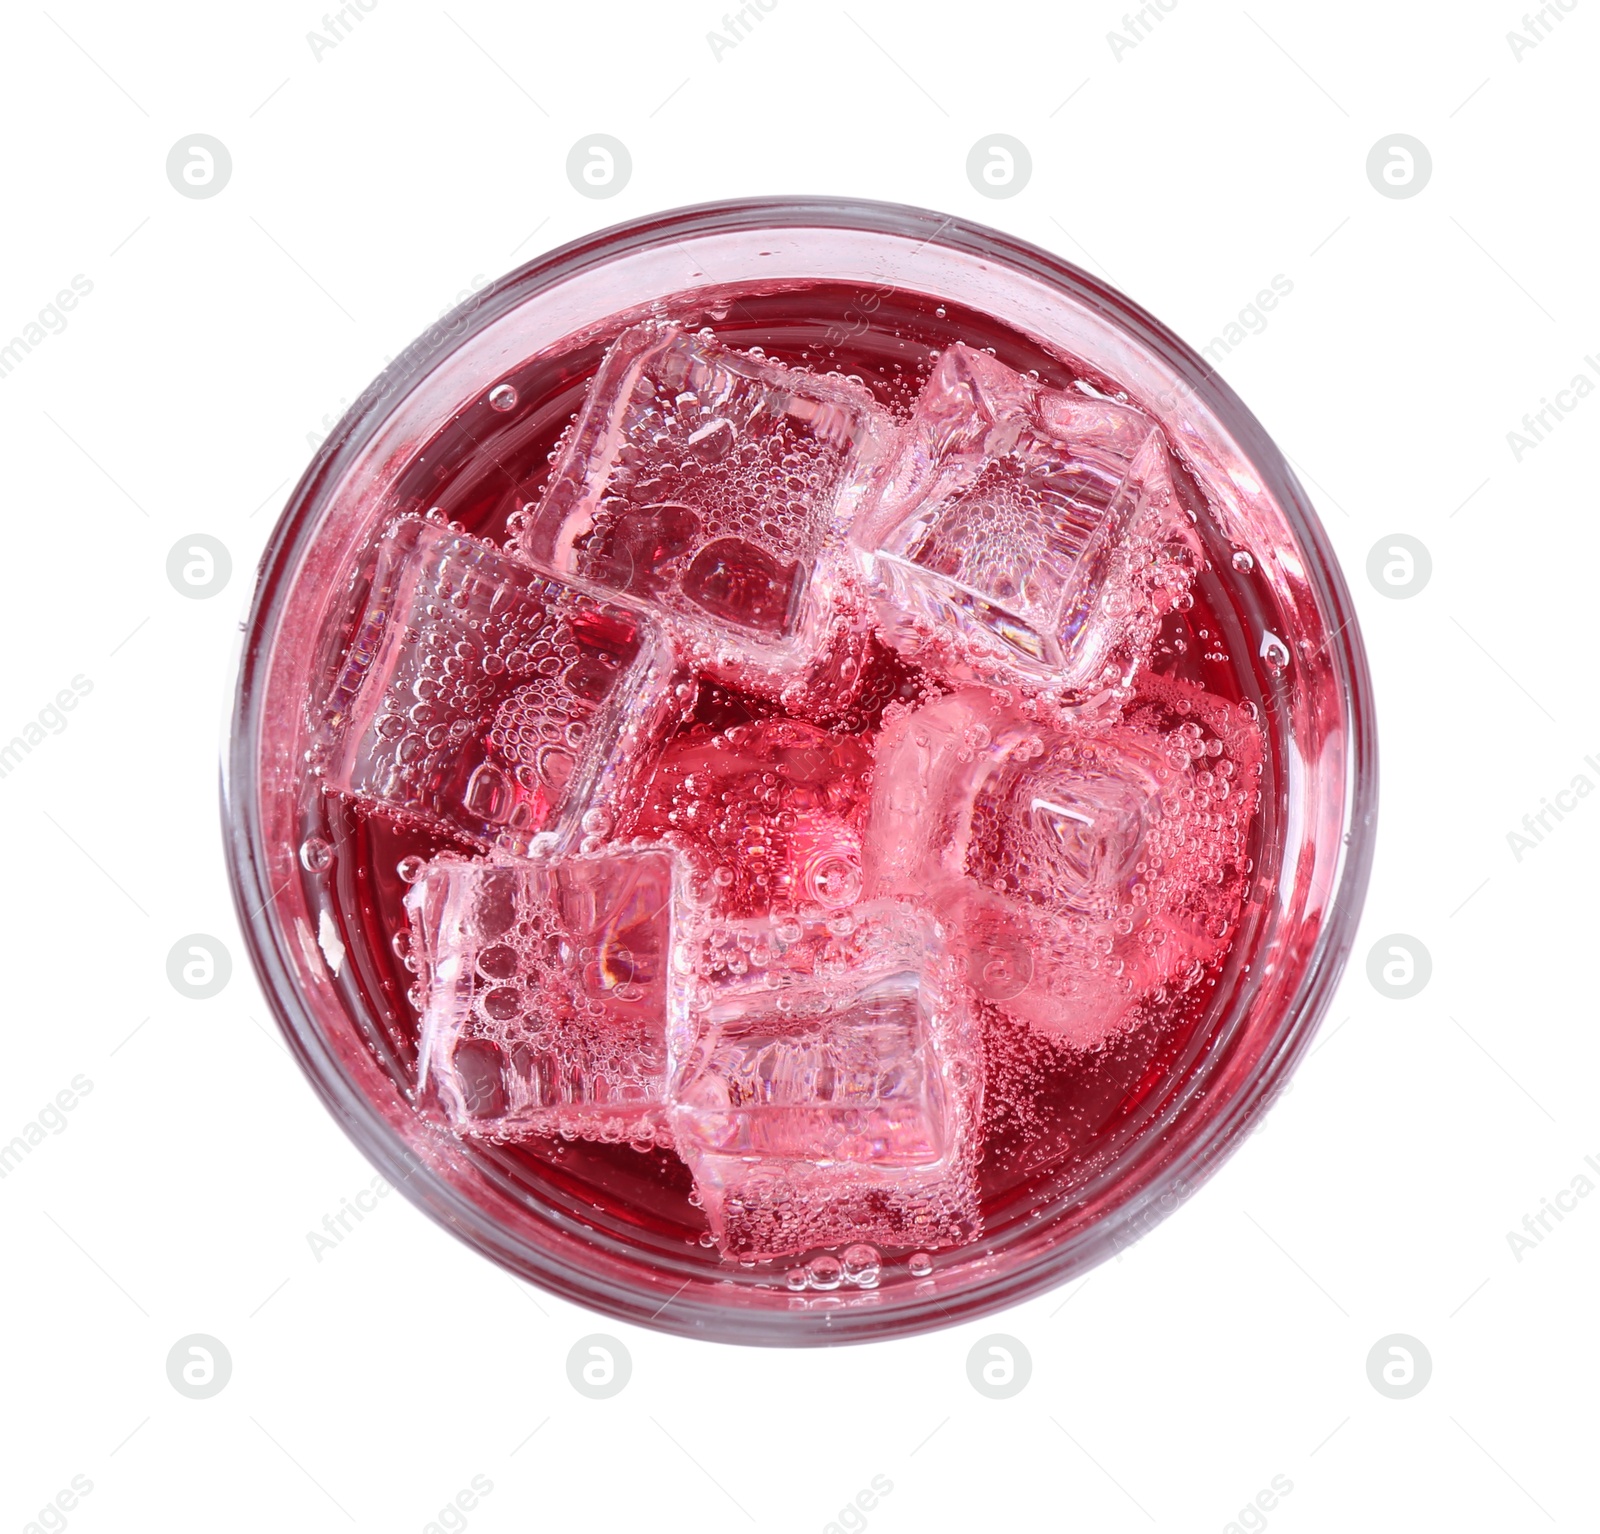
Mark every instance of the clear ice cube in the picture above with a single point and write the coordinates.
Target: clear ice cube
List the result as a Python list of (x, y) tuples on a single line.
[(544, 990), (1041, 528), (1079, 870), (490, 698), (710, 483), (928, 765), (1076, 824), (1078, 986), (828, 1083)]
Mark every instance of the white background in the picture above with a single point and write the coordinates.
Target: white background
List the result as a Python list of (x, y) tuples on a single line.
[(425, 152)]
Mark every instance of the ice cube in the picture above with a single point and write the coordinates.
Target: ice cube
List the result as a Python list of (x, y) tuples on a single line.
[(975, 809), (851, 674), (1078, 871), (1077, 984), (1043, 528), (928, 765), (828, 1086), (767, 814), (710, 483), (1080, 825), (544, 991), (488, 697)]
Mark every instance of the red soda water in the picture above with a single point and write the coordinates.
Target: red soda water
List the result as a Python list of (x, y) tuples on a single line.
[(778, 802)]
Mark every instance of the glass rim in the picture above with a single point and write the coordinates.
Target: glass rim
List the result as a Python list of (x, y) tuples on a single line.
[(363, 1119)]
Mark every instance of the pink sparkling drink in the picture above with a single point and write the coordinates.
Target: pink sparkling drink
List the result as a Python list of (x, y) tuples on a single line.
[(805, 803)]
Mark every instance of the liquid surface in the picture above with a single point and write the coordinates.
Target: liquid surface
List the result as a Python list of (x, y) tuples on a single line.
[(831, 768)]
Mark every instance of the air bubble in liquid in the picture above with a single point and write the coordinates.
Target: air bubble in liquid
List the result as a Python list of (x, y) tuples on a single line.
[(920, 1263), (410, 869), (1243, 562), (862, 1265), (825, 1272), (503, 397), (315, 855)]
